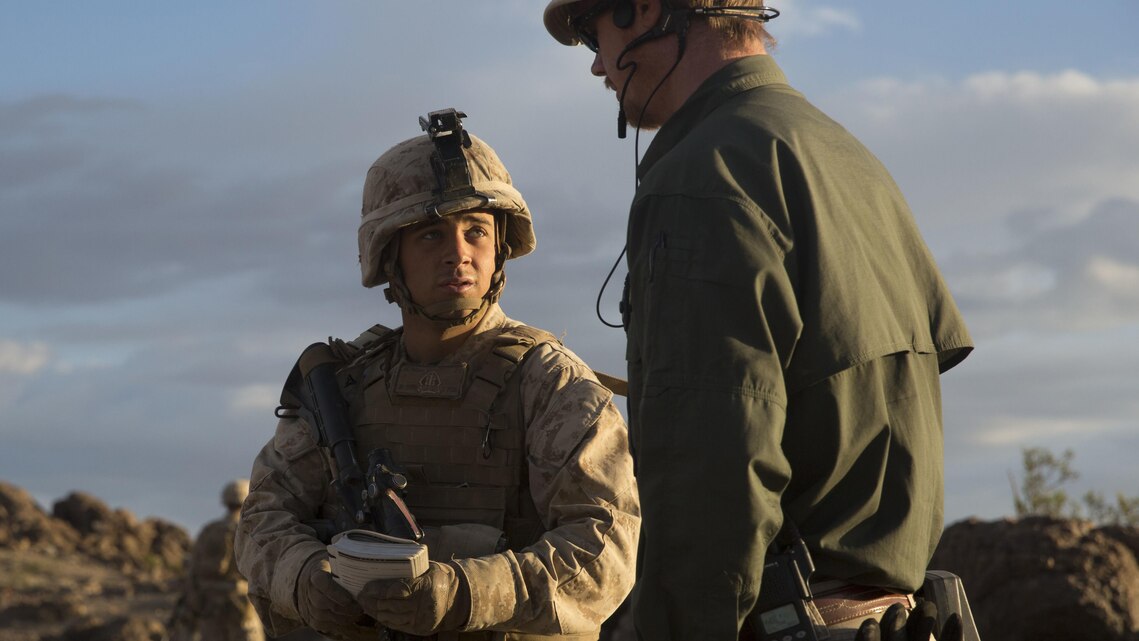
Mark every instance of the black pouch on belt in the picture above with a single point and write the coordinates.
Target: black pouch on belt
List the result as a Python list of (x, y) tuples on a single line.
[(784, 610), (948, 594)]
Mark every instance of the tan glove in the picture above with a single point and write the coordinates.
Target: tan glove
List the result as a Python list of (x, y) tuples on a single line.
[(327, 607), (438, 600)]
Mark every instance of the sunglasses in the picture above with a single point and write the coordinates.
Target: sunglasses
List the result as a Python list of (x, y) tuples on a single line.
[(583, 27)]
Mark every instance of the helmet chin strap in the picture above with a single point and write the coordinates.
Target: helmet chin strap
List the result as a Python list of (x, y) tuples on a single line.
[(456, 311), (445, 312), (448, 313)]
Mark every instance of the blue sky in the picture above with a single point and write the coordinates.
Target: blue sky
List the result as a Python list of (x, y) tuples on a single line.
[(179, 192)]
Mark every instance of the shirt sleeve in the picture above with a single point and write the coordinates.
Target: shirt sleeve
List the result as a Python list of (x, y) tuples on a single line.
[(714, 321), (272, 543), (581, 480)]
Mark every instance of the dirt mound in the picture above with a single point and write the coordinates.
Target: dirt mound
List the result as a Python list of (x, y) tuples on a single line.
[(85, 571), (151, 549), (24, 525), (1042, 579)]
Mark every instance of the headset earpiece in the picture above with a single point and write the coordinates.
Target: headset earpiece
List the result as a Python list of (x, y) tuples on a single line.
[(623, 13)]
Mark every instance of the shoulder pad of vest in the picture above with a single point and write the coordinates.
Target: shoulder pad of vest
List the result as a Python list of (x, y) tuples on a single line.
[(292, 396), (348, 351), (513, 343), (371, 336)]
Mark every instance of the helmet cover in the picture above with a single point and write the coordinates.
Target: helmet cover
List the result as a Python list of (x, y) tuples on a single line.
[(402, 188)]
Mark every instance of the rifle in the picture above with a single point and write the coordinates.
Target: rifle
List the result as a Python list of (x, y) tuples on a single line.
[(372, 500)]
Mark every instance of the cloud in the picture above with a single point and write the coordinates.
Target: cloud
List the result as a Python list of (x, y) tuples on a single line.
[(1029, 88), (1027, 429), (1119, 279), (258, 399), (816, 21), (1080, 276), (998, 145), (1026, 186), (23, 358), (22, 364), (109, 210), (45, 113)]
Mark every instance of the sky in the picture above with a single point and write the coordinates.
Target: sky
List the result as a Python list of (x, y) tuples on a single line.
[(180, 190)]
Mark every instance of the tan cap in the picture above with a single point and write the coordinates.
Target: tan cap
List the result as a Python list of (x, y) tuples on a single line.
[(402, 189), (557, 18)]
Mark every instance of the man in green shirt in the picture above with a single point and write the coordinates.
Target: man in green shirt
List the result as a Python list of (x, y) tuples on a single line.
[(786, 330)]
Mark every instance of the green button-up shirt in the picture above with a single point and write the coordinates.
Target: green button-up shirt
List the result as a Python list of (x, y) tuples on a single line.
[(786, 333)]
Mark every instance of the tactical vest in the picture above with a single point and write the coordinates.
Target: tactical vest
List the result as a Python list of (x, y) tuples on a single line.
[(457, 431)]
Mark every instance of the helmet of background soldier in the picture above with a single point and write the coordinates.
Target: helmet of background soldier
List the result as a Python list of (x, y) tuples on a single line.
[(234, 493), (402, 189)]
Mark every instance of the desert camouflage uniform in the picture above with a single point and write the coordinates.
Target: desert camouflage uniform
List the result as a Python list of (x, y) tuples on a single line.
[(580, 478), (216, 593)]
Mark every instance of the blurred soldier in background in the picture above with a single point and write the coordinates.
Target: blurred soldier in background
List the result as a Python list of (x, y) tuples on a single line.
[(214, 605)]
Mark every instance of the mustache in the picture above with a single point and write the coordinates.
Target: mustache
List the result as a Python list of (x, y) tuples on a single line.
[(609, 85)]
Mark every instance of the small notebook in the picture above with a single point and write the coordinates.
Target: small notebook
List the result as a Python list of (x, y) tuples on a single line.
[(360, 556)]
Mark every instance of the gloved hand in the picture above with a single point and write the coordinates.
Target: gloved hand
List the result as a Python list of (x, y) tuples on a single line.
[(919, 625), (437, 600), (327, 607)]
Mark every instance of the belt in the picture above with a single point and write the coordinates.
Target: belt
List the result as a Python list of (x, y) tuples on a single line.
[(845, 602), (841, 605)]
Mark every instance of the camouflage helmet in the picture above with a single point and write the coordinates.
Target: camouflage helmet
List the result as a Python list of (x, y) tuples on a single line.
[(408, 184), (234, 493)]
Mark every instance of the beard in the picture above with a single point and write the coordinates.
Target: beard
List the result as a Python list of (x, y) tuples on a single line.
[(635, 112)]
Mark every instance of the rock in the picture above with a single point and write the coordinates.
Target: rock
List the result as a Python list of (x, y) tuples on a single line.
[(85, 571), (85, 513), (153, 549), (24, 524), (1040, 578)]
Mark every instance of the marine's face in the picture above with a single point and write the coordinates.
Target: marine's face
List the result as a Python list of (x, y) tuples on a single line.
[(448, 258)]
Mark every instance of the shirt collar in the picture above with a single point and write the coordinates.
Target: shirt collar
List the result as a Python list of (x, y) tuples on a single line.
[(734, 78)]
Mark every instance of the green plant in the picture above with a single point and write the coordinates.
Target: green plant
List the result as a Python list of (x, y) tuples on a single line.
[(1040, 492), (1044, 473), (1124, 512)]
